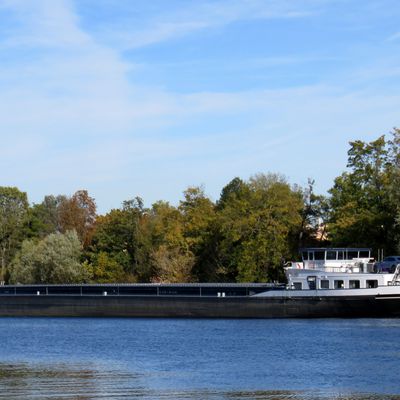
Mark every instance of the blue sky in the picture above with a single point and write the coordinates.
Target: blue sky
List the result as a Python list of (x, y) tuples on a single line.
[(127, 98)]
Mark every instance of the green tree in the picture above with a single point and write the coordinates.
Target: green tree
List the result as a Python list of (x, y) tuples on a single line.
[(105, 269), (44, 218), (362, 208), (199, 216), (13, 213), (122, 234), (54, 259), (258, 221)]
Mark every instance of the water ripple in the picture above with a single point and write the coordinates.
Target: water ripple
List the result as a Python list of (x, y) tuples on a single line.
[(87, 382)]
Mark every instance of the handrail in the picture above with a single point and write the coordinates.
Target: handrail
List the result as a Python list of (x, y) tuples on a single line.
[(396, 275)]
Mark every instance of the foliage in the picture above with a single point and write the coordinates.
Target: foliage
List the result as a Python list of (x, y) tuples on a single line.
[(364, 199), (13, 214), (44, 218), (172, 265), (105, 269), (55, 259), (257, 222), (121, 234), (78, 213)]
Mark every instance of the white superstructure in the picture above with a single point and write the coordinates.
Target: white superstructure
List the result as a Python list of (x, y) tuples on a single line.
[(336, 268)]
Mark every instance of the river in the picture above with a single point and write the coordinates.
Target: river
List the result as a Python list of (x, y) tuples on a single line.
[(77, 358)]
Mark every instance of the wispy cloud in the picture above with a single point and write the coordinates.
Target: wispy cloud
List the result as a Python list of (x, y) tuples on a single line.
[(75, 115), (207, 15), (394, 37)]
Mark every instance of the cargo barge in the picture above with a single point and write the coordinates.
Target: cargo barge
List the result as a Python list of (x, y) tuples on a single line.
[(327, 283)]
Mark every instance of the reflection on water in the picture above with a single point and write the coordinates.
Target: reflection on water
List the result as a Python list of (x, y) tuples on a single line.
[(86, 382)]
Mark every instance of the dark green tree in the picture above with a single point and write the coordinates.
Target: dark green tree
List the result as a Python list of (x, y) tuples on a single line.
[(362, 212), (13, 215), (257, 222)]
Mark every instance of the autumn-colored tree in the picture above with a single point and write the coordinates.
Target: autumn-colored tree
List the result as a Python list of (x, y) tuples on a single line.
[(78, 213), (173, 265)]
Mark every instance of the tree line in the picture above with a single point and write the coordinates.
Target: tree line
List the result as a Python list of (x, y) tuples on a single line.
[(244, 236)]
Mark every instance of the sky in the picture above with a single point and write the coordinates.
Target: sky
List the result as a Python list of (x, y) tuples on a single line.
[(131, 98)]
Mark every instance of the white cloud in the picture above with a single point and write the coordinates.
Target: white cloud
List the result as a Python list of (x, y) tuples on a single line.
[(206, 15), (71, 117)]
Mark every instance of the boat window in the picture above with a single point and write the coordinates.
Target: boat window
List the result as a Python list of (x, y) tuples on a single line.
[(312, 282), (310, 255), (297, 285), (352, 254), (305, 255), (340, 255), (339, 284), (319, 255), (364, 254), (372, 283), (331, 255), (354, 284), (324, 284)]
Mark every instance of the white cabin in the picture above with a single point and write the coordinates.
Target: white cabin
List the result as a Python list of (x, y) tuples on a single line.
[(337, 268)]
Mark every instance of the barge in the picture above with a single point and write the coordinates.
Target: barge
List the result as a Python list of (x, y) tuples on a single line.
[(334, 282)]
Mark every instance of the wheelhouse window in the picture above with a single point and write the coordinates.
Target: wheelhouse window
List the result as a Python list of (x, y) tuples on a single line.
[(340, 255), (354, 284), (305, 256), (319, 255), (331, 255), (371, 283), (339, 284), (364, 254), (352, 254), (324, 284)]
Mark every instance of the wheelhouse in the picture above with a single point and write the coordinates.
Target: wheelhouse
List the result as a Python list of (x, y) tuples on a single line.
[(336, 259)]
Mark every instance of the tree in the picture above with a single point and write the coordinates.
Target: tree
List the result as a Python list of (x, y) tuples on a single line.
[(173, 265), (315, 217), (122, 234), (105, 269), (78, 213), (362, 209), (13, 214), (257, 222), (198, 216), (44, 218), (55, 259)]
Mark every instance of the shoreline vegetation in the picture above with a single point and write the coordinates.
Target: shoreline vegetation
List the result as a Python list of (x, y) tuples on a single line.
[(244, 236)]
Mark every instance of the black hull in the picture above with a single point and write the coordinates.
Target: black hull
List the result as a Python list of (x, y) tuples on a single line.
[(199, 307)]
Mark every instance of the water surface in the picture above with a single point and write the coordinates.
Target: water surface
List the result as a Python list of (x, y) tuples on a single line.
[(76, 358)]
